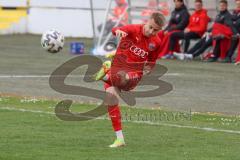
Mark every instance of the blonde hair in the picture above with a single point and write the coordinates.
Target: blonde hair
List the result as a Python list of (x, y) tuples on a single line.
[(158, 18)]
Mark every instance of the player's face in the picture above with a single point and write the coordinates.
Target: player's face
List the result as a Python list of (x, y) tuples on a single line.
[(151, 28), (238, 4), (222, 7), (198, 6)]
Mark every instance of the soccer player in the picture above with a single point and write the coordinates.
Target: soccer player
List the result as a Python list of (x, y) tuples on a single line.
[(135, 56)]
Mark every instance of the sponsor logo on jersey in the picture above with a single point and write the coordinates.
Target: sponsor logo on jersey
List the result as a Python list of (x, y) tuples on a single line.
[(124, 45), (138, 51), (151, 46)]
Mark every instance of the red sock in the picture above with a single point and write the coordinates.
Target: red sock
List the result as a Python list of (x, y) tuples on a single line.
[(115, 115)]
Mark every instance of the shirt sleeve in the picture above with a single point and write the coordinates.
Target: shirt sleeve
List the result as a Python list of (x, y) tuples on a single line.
[(129, 29)]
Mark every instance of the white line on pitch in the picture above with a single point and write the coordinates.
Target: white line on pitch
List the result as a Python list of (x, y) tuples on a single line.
[(72, 76), (208, 129)]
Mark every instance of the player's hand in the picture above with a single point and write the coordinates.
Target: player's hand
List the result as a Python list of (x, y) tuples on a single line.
[(147, 70), (207, 34), (165, 32), (187, 30), (120, 34)]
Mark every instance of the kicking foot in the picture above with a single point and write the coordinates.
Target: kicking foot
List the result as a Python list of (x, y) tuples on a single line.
[(102, 72), (118, 143)]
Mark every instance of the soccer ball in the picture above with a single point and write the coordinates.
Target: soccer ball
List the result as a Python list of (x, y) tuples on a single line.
[(52, 41)]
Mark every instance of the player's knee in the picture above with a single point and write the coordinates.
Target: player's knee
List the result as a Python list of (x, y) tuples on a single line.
[(110, 100), (124, 77), (121, 78), (111, 97)]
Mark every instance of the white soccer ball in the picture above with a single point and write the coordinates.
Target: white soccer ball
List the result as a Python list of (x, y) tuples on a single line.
[(52, 41)]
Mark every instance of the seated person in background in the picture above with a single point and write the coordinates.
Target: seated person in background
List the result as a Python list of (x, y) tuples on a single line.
[(222, 32), (196, 28), (154, 6), (118, 12), (177, 23), (235, 38), (197, 49)]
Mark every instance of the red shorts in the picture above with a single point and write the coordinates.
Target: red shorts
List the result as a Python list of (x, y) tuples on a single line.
[(134, 79)]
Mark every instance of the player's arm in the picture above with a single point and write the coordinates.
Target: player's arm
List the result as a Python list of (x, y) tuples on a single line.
[(120, 32), (123, 31)]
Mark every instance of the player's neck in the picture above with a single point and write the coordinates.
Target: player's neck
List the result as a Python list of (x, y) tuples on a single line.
[(143, 31)]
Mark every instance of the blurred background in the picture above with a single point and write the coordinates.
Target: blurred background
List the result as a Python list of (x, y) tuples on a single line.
[(84, 18), (81, 18)]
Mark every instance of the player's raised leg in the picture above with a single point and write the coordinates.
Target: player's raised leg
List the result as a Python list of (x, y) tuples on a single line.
[(103, 71)]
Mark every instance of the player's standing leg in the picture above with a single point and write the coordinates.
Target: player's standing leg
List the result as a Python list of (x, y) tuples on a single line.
[(112, 101)]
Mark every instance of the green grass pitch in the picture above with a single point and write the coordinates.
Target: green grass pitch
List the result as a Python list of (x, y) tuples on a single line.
[(31, 131)]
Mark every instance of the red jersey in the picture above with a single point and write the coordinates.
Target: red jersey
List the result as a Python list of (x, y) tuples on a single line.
[(135, 50), (198, 22)]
